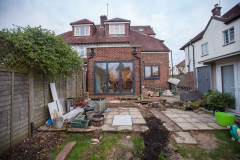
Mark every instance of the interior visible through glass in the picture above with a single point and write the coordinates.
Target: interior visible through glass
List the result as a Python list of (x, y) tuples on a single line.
[(155, 71), (113, 77), (127, 78), (147, 71), (228, 82), (100, 78)]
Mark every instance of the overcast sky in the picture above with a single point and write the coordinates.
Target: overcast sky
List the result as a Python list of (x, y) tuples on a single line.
[(174, 21)]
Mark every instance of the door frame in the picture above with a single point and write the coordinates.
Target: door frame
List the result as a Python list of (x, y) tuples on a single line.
[(236, 67)]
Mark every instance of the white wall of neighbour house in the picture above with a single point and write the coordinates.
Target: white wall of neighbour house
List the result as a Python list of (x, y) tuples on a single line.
[(214, 37)]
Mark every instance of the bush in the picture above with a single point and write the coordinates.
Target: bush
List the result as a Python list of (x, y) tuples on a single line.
[(205, 102), (218, 99)]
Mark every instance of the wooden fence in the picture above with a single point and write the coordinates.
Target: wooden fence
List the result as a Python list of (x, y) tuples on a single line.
[(24, 98), (186, 80)]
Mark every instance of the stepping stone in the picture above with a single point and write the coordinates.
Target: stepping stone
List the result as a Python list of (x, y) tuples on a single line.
[(184, 138), (65, 151)]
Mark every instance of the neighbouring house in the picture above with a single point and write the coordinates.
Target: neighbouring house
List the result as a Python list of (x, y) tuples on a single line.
[(178, 69), (214, 54), (120, 59)]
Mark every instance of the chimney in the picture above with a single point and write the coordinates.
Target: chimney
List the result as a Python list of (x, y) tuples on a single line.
[(216, 10), (103, 18)]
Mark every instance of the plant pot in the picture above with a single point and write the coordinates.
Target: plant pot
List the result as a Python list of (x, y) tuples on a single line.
[(220, 109)]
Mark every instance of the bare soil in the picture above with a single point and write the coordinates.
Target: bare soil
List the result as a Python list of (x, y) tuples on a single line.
[(205, 139), (156, 138), (40, 146)]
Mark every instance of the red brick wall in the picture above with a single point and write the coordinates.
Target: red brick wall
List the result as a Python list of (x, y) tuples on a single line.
[(113, 54), (160, 59)]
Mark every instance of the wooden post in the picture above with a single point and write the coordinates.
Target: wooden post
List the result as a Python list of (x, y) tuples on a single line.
[(30, 101)]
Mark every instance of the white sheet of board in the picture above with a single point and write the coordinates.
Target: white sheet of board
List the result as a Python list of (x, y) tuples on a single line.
[(53, 91), (60, 108), (53, 110), (120, 120)]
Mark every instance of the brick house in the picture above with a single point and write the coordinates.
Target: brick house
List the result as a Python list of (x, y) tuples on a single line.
[(119, 58)]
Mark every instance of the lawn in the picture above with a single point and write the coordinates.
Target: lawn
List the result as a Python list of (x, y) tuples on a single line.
[(225, 149), (111, 146)]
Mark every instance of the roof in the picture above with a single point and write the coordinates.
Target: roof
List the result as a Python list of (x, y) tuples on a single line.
[(228, 17), (181, 64), (148, 43), (117, 20), (83, 21), (146, 29)]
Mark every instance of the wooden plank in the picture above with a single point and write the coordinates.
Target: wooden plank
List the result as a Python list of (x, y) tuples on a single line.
[(5, 88), (65, 151), (5, 73), (5, 93), (5, 83), (5, 78), (5, 103)]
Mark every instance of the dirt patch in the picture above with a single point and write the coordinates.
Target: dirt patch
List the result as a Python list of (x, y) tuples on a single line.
[(156, 138), (205, 139), (40, 146)]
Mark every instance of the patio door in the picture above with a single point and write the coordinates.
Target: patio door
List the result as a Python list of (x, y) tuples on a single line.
[(230, 83)]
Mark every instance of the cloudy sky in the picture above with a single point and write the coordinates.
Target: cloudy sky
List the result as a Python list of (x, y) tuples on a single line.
[(174, 21)]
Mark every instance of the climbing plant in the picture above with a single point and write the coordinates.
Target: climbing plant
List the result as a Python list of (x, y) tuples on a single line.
[(25, 48)]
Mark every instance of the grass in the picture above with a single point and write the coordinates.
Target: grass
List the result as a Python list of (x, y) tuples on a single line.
[(226, 149), (109, 143), (138, 146)]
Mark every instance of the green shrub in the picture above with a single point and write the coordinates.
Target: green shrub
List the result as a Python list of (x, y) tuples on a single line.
[(218, 99)]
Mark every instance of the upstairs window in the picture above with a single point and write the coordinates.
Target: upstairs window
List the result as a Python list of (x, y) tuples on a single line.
[(82, 51), (151, 72), (228, 36), (204, 49), (82, 31), (116, 29), (140, 29)]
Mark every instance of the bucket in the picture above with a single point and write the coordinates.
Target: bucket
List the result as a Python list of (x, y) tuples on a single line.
[(57, 123), (90, 114), (224, 119)]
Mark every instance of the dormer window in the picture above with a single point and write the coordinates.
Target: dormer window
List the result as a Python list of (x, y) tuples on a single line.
[(116, 29), (140, 29), (82, 30)]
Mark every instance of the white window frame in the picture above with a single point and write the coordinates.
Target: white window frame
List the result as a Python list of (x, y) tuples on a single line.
[(116, 28), (82, 50), (228, 37), (205, 49), (83, 30)]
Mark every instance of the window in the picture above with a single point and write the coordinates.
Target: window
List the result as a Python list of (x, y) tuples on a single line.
[(204, 49), (113, 77), (140, 29), (82, 50), (228, 36), (116, 29), (82, 31), (151, 72)]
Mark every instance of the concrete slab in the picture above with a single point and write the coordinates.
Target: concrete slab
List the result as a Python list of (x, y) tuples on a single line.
[(191, 120), (124, 113), (184, 138), (134, 112), (187, 126), (122, 120), (216, 126), (108, 120), (137, 116), (179, 120)]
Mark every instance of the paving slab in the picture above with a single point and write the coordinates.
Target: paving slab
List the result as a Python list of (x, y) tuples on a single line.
[(140, 128), (178, 120), (184, 138), (138, 121), (192, 120), (187, 126), (122, 120), (88, 129), (216, 126), (108, 127), (203, 126), (108, 120), (137, 116), (124, 128)]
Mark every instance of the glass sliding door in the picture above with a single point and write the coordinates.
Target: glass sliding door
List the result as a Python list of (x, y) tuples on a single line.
[(100, 78), (114, 77), (127, 77)]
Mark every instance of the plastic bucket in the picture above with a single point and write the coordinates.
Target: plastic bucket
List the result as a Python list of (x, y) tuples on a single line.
[(224, 119)]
